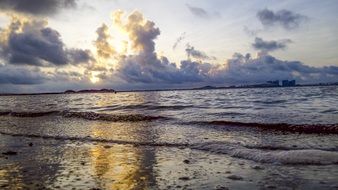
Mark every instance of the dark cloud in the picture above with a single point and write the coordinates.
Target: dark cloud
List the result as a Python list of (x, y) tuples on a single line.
[(193, 53), (77, 56), (200, 12), (20, 76), (284, 18), (243, 69), (192, 71), (178, 40), (33, 43), (268, 46), (37, 7)]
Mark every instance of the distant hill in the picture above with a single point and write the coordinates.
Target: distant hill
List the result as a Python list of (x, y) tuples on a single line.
[(90, 91)]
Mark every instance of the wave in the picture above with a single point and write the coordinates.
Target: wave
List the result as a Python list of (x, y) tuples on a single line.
[(112, 117), (27, 114), (282, 147), (258, 154), (299, 128), (86, 116), (270, 102), (149, 107), (329, 111), (292, 157)]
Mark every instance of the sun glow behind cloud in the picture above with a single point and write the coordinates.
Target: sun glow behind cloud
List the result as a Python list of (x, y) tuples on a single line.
[(94, 79), (120, 41)]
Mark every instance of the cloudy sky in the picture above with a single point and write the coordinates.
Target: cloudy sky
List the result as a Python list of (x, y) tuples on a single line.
[(55, 45)]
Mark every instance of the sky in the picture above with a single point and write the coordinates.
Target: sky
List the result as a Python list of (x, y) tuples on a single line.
[(56, 45)]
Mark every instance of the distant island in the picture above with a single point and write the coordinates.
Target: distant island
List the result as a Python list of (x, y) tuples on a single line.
[(89, 91), (86, 91)]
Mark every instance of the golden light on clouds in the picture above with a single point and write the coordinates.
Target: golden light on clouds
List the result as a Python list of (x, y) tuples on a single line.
[(94, 77), (121, 41)]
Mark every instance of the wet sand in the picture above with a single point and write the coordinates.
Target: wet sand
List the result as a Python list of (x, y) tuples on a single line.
[(67, 164)]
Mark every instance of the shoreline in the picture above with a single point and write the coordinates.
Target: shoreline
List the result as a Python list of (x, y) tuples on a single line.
[(36, 164)]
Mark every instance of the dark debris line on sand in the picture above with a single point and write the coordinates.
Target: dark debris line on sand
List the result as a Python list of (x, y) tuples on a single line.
[(9, 153)]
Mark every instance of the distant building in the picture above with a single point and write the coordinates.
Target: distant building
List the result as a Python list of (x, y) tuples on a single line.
[(288, 83), (273, 83)]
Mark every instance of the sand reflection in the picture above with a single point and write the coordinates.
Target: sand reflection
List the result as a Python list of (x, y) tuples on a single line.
[(122, 166)]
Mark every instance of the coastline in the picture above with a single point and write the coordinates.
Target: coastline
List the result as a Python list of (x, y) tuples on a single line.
[(164, 90)]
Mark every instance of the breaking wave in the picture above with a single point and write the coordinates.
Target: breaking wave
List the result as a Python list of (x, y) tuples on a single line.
[(291, 156), (258, 154)]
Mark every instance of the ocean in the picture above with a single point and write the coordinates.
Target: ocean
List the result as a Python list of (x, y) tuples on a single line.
[(257, 138)]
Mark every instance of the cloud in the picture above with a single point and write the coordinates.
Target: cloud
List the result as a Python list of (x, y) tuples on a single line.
[(34, 55), (142, 33), (200, 12), (192, 71), (251, 32), (78, 56), (284, 18), (145, 68), (32, 42), (193, 53), (178, 40), (243, 69), (37, 7), (103, 47), (268, 46), (20, 76)]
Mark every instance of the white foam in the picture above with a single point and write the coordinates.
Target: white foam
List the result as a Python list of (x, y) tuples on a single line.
[(305, 157), (309, 156)]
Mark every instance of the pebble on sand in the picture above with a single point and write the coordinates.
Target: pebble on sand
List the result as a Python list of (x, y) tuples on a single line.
[(184, 178), (270, 186), (256, 167), (221, 188), (235, 177)]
